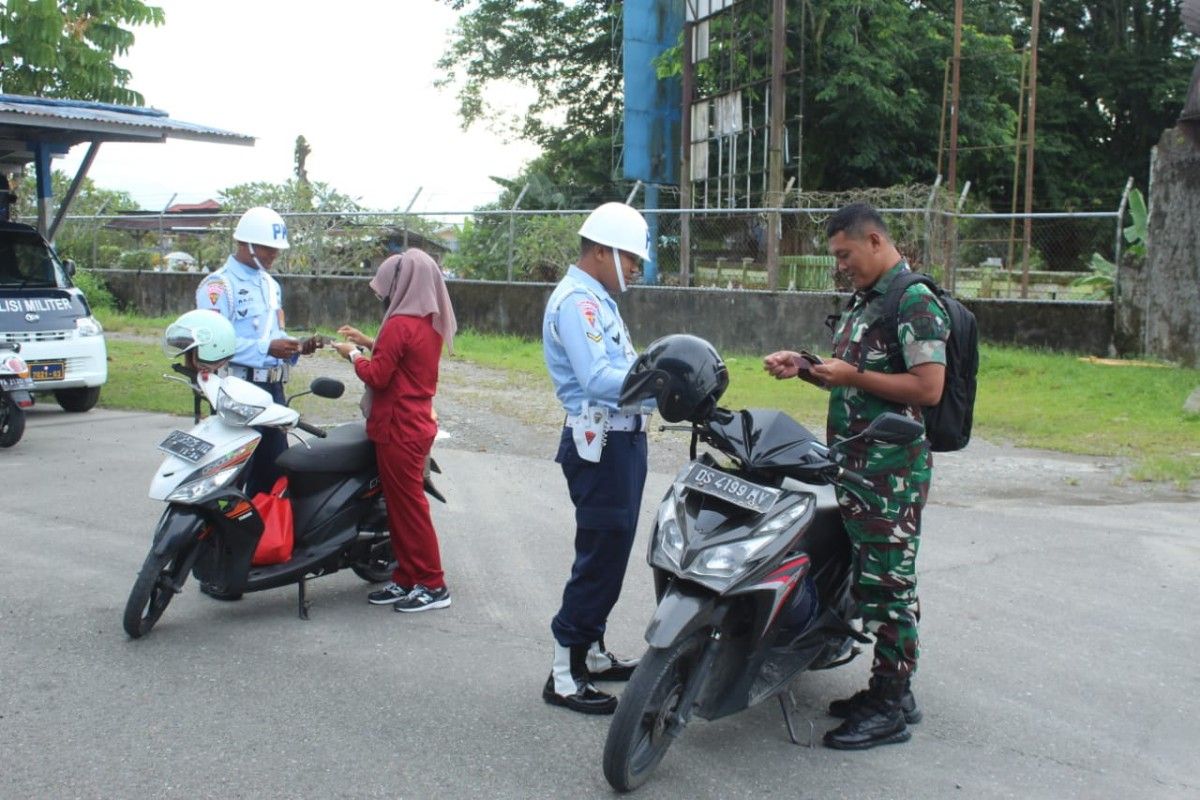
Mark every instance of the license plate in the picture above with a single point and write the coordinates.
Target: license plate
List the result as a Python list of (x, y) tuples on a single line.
[(731, 488), (47, 370), (186, 446), (13, 384)]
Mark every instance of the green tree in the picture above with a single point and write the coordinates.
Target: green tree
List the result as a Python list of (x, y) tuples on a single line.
[(1112, 76), (65, 48), (87, 241), (566, 52), (327, 229)]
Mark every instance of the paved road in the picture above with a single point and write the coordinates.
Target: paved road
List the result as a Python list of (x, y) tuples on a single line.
[(1059, 641)]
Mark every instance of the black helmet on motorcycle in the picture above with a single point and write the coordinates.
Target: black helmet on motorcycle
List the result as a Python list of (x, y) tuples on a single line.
[(685, 374)]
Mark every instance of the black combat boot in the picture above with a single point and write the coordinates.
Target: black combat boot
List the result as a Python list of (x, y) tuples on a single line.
[(878, 720), (604, 666), (570, 686), (842, 709)]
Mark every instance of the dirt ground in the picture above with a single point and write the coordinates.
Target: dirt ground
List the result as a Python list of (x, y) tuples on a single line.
[(487, 410)]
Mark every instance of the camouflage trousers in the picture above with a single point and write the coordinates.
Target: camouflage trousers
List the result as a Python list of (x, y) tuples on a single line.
[(884, 526)]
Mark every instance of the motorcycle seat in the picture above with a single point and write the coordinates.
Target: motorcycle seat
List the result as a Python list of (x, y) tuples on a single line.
[(345, 450)]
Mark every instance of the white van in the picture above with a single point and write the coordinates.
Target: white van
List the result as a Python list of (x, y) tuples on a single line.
[(40, 308)]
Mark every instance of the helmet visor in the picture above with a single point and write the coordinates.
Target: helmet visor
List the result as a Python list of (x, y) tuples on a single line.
[(179, 339)]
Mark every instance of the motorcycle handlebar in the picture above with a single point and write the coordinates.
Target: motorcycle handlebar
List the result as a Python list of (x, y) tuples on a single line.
[(846, 475), (313, 429)]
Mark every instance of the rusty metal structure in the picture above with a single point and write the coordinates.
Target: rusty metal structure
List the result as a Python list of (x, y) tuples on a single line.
[(739, 144)]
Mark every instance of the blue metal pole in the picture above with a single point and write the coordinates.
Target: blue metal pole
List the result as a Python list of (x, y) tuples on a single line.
[(650, 268), (42, 155)]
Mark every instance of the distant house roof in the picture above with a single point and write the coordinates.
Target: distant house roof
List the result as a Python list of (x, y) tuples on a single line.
[(65, 123), (209, 206), (179, 218)]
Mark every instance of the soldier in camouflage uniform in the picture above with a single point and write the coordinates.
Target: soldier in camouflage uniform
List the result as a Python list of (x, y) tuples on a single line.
[(884, 523)]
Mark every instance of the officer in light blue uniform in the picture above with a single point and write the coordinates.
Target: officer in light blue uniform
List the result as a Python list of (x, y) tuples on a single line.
[(244, 292), (602, 450)]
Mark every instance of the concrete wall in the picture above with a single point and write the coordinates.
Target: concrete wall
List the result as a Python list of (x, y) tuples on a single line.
[(734, 321), (1159, 298)]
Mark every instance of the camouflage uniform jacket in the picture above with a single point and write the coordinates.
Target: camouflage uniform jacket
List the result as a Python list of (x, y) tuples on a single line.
[(922, 330)]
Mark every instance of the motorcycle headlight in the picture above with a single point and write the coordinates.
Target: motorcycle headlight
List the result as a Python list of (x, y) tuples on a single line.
[(669, 542), (213, 476), (88, 326), (725, 560), (192, 491), (236, 413), (784, 519)]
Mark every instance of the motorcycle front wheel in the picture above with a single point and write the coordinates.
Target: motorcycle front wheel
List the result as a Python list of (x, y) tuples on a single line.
[(157, 583), (12, 421), (643, 727)]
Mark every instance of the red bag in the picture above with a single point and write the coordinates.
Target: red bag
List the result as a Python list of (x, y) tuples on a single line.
[(277, 540)]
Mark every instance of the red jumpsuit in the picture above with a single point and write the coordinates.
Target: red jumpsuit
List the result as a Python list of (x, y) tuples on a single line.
[(402, 374)]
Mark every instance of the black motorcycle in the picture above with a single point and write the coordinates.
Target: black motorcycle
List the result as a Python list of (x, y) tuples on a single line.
[(210, 528), (753, 575)]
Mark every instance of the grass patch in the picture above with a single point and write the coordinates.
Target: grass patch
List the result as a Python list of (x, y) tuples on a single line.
[(135, 370), (1026, 397), (1057, 402), (1029, 398)]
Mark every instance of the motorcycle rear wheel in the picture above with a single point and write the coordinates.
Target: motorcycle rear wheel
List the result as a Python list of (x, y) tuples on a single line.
[(638, 737), (152, 591), (12, 422), (377, 567)]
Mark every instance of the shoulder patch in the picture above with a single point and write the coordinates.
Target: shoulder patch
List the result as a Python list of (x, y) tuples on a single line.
[(214, 289), (588, 308)]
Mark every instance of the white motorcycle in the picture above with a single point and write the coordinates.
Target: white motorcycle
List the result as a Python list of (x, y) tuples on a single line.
[(211, 529)]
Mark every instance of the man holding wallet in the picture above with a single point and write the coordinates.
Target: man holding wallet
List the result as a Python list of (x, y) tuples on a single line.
[(884, 522), (244, 292)]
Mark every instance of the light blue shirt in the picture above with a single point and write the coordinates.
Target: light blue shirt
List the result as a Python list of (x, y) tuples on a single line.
[(251, 299), (585, 342)]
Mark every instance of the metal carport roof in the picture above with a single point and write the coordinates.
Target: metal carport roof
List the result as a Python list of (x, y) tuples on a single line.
[(35, 129)]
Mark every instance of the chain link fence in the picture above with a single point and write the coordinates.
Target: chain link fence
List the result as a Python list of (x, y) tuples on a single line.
[(975, 254)]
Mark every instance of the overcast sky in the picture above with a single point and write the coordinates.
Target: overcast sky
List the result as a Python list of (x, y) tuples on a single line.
[(355, 77)]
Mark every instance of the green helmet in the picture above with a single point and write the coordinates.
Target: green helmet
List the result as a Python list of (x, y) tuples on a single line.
[(206, 332)]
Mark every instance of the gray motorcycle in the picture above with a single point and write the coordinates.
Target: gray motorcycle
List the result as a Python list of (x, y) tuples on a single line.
[(752, 567)]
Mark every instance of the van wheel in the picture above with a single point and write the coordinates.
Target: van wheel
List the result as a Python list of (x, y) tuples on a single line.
[(78, 400)]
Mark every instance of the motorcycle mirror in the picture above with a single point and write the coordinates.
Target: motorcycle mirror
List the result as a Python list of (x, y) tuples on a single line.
[(329, 388), (892, 428)]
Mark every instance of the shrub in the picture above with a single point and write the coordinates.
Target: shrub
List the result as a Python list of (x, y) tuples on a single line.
[(92, 285)]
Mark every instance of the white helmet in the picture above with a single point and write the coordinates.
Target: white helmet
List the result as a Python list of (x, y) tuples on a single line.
[(620, 226), (261, 225)]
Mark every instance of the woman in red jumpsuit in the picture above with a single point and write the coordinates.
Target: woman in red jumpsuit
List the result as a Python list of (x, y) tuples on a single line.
[(401, 376)]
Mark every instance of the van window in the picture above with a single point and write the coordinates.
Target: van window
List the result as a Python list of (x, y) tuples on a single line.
[(26, 263)]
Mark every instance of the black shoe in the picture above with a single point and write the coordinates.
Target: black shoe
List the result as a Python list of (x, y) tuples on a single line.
[(422, 599), (387, 595), (844, 709), (602, 665), (878, 720), (587, 699), (217, 594)]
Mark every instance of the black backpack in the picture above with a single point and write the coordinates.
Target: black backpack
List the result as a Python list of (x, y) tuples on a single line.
[(947, 424)]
